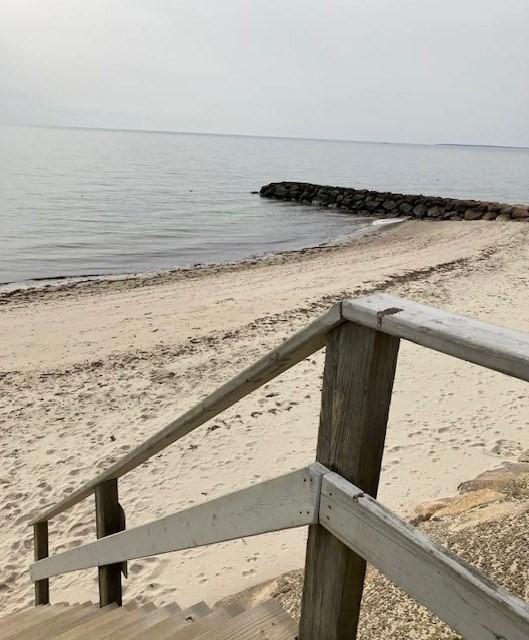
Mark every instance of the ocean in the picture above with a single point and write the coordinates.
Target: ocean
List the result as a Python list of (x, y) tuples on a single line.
[(90, 202)]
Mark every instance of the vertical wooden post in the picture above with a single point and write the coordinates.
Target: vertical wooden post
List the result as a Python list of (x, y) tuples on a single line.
[(40, 542), (357, 384), (109, 519)]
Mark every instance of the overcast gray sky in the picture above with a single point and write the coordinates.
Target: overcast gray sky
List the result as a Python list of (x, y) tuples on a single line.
[(395, 70)]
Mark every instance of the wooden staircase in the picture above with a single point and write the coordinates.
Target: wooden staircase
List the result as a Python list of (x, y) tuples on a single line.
[(334, 497), (266, 621)]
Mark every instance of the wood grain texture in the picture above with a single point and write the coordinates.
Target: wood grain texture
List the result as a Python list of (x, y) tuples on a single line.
[(109, 520), (282, 503), (357, 385), (299, 346), (41, 550), (460, 595), (488, 345), (267, 621)]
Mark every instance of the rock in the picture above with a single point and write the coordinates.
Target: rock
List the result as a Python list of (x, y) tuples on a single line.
[(490, 215), (435, 212), (524, 456), (470, 501), (499, 479), (518, 213), (368, 202), (371, 205), (473, 214), (426, 510), (420, 211)]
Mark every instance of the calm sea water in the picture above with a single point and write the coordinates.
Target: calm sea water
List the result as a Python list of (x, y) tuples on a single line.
[(78, 202)]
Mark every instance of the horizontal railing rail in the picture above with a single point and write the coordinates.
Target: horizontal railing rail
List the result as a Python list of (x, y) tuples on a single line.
[(458, 593), (488, 345), (297, 348), (281, 503), (347, 527)]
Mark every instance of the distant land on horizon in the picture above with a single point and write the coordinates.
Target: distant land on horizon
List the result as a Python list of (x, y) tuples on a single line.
[(253, 135), (483, 146)]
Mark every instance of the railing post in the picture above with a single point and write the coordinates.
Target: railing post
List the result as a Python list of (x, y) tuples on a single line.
[(357, 384), (109, 520), (41, 550)]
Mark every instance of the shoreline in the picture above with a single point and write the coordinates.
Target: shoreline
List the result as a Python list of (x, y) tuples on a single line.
[(87, 373), (58, 283)]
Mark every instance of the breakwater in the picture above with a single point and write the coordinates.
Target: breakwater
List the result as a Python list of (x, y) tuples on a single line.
[(365, 202)]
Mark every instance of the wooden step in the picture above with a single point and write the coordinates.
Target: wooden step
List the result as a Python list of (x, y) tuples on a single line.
[(100, 626), (268, 621), (138, 628), (33, 616), (173, 607), (186, 618), (22, 617), (87, 621), (211, 621), (198, 610), (50, 627)]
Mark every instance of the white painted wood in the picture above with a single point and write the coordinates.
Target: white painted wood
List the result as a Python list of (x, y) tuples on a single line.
[(282, 503), (488, 345), (299, 346), (460, 595)]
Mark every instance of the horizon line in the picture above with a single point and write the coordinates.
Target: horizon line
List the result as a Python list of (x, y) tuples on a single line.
[(274, 137)]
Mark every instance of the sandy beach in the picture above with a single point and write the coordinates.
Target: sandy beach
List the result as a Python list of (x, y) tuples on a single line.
[(89, 371)]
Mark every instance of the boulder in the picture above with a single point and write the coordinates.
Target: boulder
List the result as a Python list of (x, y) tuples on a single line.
[(369, 202), (470, 501), (420, 210), (435, 212), (426, 510), (519, 212), (473, 214), (499, 479)]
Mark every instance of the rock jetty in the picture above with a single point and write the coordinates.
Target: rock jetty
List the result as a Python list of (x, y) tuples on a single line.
[(364, 202)]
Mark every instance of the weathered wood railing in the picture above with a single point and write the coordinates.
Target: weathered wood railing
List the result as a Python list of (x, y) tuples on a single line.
[(335, 496)]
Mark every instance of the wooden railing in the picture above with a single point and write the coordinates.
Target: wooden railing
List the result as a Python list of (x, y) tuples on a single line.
[(335, 496)]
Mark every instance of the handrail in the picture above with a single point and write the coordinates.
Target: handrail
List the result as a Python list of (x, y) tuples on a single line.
[(299, 346), (281, 503), (347, 527), (488, 345), (455, 591), (463, 337)]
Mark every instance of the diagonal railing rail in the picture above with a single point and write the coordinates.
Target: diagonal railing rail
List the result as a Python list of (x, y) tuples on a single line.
[(362, 340)]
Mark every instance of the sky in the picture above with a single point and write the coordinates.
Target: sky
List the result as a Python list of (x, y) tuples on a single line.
[(419, 71)]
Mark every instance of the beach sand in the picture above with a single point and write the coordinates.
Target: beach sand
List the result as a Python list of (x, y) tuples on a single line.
[(89, 371)]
